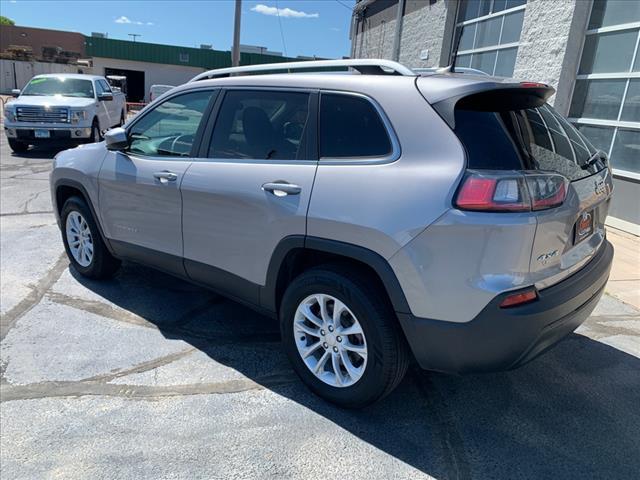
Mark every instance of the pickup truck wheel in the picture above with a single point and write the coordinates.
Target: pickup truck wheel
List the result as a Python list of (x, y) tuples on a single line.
[(83, 243), (339, 331), (96, 136), (18, 147)]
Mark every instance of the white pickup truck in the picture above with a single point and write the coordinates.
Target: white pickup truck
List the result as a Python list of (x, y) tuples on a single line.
[(62, 108)]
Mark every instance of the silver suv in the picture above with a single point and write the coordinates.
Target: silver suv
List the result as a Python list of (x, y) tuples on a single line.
[(384, 217)]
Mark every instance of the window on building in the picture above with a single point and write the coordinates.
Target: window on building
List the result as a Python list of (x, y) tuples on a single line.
[(490, 35), (606, 97)]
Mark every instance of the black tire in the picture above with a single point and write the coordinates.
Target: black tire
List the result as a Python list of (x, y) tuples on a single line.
[(18, 147), (103, 264), (96, 135), (388, 356)]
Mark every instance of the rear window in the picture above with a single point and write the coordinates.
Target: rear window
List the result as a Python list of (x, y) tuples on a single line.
[(535, 138), (351, 127)]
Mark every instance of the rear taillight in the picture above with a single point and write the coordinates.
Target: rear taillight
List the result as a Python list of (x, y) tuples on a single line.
[(511, 191), (546, 190)]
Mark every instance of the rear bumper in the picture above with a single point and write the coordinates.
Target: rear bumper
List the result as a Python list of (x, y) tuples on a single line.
[(506, 338)]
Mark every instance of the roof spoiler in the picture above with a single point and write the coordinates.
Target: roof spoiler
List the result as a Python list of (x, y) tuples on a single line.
[(494, 97)]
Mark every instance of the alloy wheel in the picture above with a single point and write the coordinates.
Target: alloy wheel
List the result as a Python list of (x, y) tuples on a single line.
[(79, 239), (330, 340)]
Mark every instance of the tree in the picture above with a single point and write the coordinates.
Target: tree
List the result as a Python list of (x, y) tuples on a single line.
[(6, 21)]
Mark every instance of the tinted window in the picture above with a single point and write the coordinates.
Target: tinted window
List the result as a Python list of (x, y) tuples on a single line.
[(351, 127), (170, 128), (261, 125), (528, 139)]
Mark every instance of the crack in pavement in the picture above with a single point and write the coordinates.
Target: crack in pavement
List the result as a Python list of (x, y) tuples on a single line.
[(141, 367), (78, 389), (32, 299), (98, 308), (455, 459), (18, 214)]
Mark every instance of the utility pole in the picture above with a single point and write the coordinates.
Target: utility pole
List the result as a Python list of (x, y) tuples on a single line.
[(235, 51), (395, 53), (134, 35)]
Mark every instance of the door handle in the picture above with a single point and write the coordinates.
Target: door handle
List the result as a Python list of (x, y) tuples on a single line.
[(281, 189), (165, 176)]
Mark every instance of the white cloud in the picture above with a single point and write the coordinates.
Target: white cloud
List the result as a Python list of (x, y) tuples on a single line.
[(283, 12), (126, 20)]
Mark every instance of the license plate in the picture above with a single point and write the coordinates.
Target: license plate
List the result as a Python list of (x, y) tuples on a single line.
[(584, 227), (42, 133)]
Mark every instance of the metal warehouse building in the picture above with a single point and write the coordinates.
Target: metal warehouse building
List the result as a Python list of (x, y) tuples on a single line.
[(28, 51), (146, 64), (586, 49)]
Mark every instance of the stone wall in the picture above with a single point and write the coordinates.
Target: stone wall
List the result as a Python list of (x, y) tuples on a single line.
[(424, 26), (550, 45)]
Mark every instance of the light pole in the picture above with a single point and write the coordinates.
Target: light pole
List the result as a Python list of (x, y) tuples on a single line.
[(134, 35), (235, 50)]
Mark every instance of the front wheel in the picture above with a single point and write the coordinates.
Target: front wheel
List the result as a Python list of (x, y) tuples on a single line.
[(83, 243), (96, 136), (18, 147), (339, 331)]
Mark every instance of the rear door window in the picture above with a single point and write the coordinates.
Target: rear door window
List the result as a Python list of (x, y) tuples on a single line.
[(261, 125), (528, 139), (351, 127)]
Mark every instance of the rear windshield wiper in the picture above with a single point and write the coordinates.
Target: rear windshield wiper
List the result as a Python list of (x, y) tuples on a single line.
[(599, 155)]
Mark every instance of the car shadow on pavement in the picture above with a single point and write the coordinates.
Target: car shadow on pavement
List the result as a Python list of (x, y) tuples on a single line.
[(41, 152), (574, 412)]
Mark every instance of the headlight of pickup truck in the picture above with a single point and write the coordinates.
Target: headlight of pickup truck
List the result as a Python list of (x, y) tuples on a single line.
[(10, 114), (78, 115)]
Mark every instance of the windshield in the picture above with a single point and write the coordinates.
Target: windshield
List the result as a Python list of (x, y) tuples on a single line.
[(529, 139), (67, 87)]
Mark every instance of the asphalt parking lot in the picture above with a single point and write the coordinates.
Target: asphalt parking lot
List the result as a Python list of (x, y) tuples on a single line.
[(146, 376)]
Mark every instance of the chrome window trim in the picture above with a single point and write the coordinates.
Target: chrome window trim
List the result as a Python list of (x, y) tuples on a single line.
[(396, 150)]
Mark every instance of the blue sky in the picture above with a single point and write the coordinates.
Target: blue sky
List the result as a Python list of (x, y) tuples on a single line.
[(310, 27)]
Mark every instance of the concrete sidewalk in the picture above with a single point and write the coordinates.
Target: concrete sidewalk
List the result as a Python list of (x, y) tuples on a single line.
[(624, 281)]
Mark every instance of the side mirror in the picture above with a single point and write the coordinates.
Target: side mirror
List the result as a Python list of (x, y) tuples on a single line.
[(105, 97), (116, 139), (15, 92)]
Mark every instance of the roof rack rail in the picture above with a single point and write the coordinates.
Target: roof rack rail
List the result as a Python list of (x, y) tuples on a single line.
[(364, 66)]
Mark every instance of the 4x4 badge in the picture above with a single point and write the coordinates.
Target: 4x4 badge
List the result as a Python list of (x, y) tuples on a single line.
[(545, 257)]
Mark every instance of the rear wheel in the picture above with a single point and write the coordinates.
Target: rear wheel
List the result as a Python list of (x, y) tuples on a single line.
[(83, 243), (18, 147), (339, 331)]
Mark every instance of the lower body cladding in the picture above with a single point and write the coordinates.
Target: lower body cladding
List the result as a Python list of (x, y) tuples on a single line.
[(506, 338), (37, 136)]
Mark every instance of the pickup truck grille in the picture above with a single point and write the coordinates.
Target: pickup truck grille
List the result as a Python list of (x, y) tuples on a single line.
[(42, 114)]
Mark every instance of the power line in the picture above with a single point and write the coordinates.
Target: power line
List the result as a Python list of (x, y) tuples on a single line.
[(284, 45), (344, 5)]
